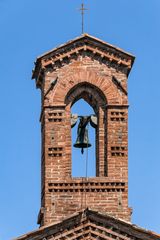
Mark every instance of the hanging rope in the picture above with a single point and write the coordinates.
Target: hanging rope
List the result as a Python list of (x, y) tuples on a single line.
[(86, 177)]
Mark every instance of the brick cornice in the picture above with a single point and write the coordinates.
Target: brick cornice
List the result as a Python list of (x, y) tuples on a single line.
[(91, 223), (86, 44)]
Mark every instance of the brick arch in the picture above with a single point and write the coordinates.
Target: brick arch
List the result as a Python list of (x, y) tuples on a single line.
[(90, 93), (97, 100), (74, 77)]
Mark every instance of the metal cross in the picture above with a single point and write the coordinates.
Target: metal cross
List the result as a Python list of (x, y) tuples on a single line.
[(83, 9)]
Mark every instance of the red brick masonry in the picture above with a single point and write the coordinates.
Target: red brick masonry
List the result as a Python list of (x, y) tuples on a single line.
[(91, 69)]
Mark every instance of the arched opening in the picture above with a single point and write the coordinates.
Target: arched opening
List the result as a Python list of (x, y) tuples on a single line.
[(83, 165), (95, 103)]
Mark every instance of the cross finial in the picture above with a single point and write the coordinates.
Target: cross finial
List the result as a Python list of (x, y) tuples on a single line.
[(83, 9)]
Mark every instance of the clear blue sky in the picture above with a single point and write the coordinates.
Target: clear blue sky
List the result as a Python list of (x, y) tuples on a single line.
[(31, 27)]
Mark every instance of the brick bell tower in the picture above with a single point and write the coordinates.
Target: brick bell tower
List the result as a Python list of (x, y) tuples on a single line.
[(96, 71)]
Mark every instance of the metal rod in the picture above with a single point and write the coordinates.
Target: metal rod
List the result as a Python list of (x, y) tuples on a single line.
[(83, 9)]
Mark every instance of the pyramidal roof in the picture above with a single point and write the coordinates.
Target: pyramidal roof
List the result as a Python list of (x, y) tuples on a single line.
[(84, 43), (89, 224)]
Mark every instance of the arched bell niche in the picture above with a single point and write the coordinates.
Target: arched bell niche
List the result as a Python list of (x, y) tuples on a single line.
[(98, 103), (83, 164)]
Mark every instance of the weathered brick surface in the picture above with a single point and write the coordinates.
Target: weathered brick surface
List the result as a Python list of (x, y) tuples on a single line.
[(104, 87), (89, 225)]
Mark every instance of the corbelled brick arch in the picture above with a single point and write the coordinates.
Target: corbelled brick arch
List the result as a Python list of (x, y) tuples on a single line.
[(91, 94)]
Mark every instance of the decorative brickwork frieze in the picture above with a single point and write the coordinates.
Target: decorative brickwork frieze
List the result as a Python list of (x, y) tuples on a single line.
[(86, 186), (118, 151)]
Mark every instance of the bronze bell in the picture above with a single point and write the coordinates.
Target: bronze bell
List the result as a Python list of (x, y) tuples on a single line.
[(82, 134)]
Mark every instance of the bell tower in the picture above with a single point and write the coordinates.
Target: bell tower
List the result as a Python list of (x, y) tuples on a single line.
[(96, 71)]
